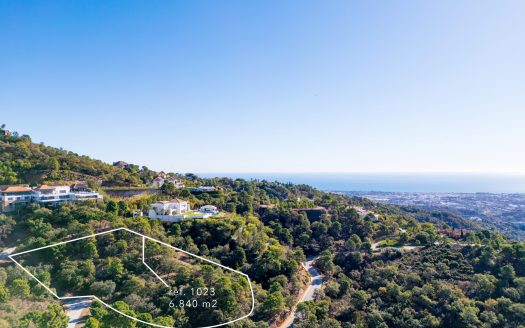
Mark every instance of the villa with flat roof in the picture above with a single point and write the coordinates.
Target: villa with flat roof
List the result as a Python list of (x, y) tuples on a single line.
[(13, 196)]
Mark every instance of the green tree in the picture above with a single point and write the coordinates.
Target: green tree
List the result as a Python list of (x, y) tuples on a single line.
[(325, 263), (165, 321), (122, 207), (7, 175), (103, 289), (20, 288), (92, 323), (273, 304), (517, 312), (359, 299), (112, 207), (113, 319), (4, 294), (90, 250), (507, 274), (53, 164), (115, 268), (366, 246), (54, 317), (168, 188)]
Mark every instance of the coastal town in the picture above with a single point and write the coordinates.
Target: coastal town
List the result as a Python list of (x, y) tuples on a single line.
[(503, 211)]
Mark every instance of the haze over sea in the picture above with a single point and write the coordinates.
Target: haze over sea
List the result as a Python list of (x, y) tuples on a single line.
[(394, 182)]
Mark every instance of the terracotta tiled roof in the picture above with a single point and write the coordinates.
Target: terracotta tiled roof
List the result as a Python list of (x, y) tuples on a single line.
[(14, 188), (45, 187)]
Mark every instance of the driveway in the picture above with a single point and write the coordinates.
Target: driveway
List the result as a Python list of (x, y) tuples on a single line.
[(77, 310), (6, 252)]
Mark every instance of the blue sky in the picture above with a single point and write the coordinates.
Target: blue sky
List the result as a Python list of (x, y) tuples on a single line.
[(270, 86)]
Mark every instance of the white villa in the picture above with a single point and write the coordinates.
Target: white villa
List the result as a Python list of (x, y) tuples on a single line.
[(51, 194), (14, 196), (17, 195), (159, 181), (177, 209)]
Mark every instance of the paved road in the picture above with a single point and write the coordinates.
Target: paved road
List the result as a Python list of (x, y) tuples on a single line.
[(316, 282), (77, 310), (6, 252)]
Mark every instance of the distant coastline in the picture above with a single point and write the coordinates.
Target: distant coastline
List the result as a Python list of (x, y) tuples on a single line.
[(394, 182)]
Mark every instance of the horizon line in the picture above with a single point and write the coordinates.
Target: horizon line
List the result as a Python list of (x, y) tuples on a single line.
[(495, 173)]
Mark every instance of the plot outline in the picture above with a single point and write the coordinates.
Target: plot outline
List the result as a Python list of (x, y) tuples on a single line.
[(144, 237)]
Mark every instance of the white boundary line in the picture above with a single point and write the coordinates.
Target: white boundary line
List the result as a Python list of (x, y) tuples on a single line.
[(147, 266), (144, 237)]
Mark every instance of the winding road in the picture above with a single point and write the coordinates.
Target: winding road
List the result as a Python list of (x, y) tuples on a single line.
[(316, 282)]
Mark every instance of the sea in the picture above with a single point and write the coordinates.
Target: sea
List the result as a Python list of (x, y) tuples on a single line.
[(394, 182)]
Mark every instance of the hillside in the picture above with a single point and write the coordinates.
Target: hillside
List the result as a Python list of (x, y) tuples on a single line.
[(422, 278), (22, 161)]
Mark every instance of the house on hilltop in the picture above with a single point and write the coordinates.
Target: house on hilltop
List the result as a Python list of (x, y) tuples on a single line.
[(177, 209), (452, 233), (169, 207), (169, 210), (120, 164), (12, 196), (52, 194), (159, 181)]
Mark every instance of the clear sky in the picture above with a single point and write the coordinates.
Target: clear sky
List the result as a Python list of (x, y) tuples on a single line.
[(270, 86)]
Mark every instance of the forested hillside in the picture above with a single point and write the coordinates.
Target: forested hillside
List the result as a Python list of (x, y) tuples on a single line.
[(383, 266), (22, 161)]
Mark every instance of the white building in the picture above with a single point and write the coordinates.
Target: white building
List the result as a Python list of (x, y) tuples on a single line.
[(171, 210), (209, 209), (17, 195), (176, 182), (14, 196), (177, 209), (52, 194), (159, 181)]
